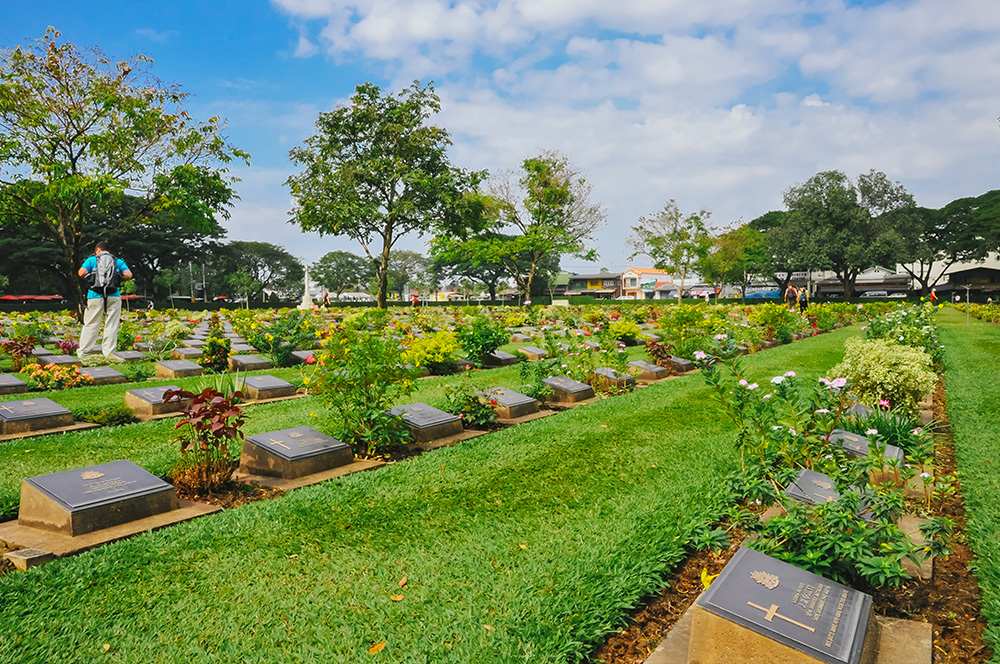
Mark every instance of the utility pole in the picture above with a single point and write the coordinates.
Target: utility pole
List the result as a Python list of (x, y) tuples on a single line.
[(191, 278), (968, 305)]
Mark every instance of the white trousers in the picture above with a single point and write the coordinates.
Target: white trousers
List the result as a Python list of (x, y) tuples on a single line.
[(92, 325)]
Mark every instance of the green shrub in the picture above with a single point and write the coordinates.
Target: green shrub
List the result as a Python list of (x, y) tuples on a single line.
[(880, 370), (177, 330), (480, 339), (361, 374), (109, 417), (435, 351), (623, 330), (469, 404)]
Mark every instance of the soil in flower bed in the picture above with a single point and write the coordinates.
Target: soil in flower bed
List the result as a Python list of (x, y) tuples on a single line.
[(232, 495), (950, 601)]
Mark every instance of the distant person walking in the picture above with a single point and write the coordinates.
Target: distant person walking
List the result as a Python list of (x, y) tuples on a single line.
[(803, 300), (791, 296), (103, 273), (933, 295)]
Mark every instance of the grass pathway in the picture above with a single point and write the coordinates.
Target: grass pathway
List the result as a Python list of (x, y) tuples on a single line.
[(972, 368), (527, 545)]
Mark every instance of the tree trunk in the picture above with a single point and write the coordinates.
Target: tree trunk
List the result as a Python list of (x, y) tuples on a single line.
[(383, 276)]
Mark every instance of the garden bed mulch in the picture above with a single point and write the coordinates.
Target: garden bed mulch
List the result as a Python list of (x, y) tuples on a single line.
[(950, 601)]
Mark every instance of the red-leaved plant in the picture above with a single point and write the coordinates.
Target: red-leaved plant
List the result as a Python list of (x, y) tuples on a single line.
[(212, 424)]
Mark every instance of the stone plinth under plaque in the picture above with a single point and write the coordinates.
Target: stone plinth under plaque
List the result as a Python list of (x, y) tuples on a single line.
[(178, 369), (185, 353), (428, 423), (292, 453), (104, 375), (259, 388), (303, 355), (682, 365), (568, 390), (130, 355), (533, 353), (509, 404), (149, 401), (11, 384), (60, 361), (32, 415), (761, 610), (248, 363), (75, 502), (858, 446), (607, 378), (499, 358), (647, 371)]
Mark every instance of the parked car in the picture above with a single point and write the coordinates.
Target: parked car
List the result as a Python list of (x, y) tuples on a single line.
[(875, 293), (897, 296)]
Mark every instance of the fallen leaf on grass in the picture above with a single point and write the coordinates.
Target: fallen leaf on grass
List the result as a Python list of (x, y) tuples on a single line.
[(604, 426), (706, 578), (489, 627), (377, 648), (107, 647), (524, 546), (396, 598), (402, 582)]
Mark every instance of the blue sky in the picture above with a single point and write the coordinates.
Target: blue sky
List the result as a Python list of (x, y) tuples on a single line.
[(721, 105)]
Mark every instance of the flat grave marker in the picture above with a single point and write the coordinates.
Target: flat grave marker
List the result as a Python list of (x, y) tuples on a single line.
[(647, 371), (857, 445), (259, 388), (104, 375), (567, 390), (499, 358), (682, 365), (533, 353), (761, 610), (243, 347), (185, 353), (510, 404), (293, 453), (83, 500), (608, 377), (60, 361), (36, 414), (130, 355), (178, 369), (248, 363), (12, 384), (812, 488), (427, 423), (518, 338), (303, 355), (149, 401)]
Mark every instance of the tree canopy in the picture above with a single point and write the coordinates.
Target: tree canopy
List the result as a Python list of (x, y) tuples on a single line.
[(530, 217), (848, 226), (337, 271), (674, 241), (78, 131), (377, 170)]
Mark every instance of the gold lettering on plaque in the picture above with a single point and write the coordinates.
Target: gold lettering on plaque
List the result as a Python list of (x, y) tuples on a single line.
[(295, 434), (27, 403), (769, 581), (771, 613), (822, 485), (91, 475)]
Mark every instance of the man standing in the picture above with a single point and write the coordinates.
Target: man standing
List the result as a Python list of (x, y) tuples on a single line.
[(104, 273)]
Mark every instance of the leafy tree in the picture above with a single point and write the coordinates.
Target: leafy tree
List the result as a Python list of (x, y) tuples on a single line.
[(957, 232), (377, 170), (339, 270), (241, 281), (848, 226), (727, 260), (78, 130), (528, 218), (780, 252), (406, 267), (268, 265), (448, 261), (675, 242)]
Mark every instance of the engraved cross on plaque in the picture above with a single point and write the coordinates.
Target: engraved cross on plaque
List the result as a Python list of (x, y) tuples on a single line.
[(771, 613), (278, 442), (6, 408)]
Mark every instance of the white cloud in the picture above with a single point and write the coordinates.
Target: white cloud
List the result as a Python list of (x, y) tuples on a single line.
[(721, 104)]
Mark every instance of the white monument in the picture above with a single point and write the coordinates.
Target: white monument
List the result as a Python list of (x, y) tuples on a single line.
[(307, 301)]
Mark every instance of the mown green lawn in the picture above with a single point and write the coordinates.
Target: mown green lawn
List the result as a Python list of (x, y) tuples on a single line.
[(527, 545), (972, 367)]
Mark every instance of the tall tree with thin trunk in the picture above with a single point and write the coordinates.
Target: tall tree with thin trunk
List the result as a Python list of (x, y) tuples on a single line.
[(674, 241), (79, 131), (376, 170)]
